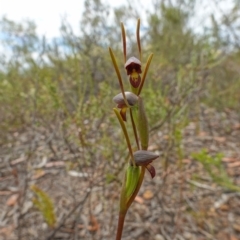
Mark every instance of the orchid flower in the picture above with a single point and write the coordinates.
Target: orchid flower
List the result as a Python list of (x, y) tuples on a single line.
[(131, 101)]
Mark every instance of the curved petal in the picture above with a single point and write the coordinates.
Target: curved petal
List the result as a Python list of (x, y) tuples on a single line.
[(123, 114), (151, 170), (135, 80), (132, 60)]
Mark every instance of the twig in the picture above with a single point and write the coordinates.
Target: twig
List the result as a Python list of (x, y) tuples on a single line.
[(21, 200), (200, 185), (224, 198), (206, 234), (67, 216)]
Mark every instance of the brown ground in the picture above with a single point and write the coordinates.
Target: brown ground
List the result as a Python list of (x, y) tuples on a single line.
[(179, 203)]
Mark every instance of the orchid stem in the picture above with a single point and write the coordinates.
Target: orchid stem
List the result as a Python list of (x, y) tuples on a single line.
[(121, 218), (122, 214), (125, 134), (134, 129)]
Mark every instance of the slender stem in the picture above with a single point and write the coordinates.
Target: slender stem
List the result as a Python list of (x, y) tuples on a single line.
[(138, 40), (121, 218), (125, 134), (134, 129), (145, 73), (124, 42), (142, 125), (122, 214)]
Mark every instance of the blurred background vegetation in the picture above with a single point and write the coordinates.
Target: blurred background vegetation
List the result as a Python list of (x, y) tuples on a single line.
[(70, 80)]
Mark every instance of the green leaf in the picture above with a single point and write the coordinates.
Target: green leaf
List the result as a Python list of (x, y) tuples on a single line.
[(45, 205), (133, 174), (213, 166)]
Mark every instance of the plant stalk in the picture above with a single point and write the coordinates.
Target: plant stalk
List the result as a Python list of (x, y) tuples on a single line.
[(121, 218)]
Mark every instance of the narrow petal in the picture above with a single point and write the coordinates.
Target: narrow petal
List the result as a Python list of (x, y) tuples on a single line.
[(138, 39), (124, 42), (123, 112), (145, 73), (151, 170), (118, 74)]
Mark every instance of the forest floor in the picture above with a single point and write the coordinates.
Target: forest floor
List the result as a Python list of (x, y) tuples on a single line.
[(181, 203)]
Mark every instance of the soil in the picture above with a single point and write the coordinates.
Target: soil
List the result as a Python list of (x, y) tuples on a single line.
[(181, 203)]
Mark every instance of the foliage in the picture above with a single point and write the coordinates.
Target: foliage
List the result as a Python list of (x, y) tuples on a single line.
[(45, 205), (214, 167), (44, 81)]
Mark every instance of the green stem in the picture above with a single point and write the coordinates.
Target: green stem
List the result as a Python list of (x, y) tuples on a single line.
[(121, 218), (123, 212), (125, 134), (134, 129)]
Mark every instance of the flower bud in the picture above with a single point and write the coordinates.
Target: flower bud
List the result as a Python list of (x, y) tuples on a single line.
[(131, 99), (143, 157)]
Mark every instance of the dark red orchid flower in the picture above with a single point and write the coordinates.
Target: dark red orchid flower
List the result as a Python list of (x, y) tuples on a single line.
[(144, 158), (133, 67), (119, 100)]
